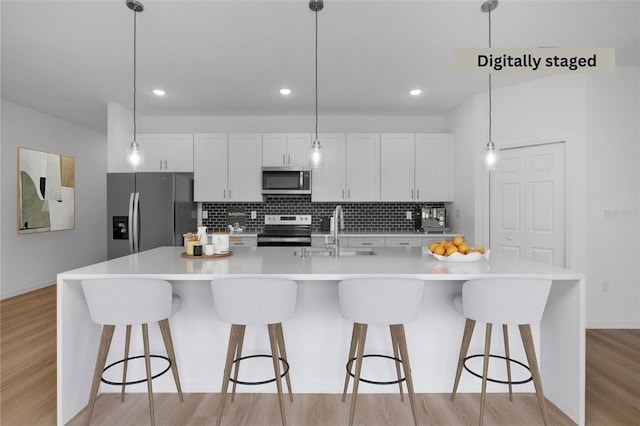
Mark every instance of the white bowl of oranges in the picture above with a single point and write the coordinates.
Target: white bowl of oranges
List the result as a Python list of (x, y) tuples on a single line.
[(457, 250)]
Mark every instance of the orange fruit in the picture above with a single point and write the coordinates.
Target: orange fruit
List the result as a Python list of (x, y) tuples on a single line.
[(448, 245), (451, 250), (462, 248), (457, 240), (432, 247), (479, 249), (439, 250), (443, 242)]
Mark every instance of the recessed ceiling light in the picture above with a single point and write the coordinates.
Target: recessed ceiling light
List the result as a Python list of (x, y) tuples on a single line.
[(159, 92), (415, 92), (285, 91)]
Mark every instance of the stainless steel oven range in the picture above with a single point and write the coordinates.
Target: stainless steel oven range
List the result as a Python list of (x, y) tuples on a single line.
[(286, 230)]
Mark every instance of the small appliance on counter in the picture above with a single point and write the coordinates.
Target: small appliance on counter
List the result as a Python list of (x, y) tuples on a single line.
[(431, 220)]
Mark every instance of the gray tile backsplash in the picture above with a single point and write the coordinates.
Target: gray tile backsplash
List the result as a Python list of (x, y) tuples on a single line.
[(358, 217)]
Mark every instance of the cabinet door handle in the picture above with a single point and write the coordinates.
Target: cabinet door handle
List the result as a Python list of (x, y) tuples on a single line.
[(229, 194), (367, 244), (160, 164), (224, 194), (412, 194), (283, 162), (417, 194), (403, 243), (343, 194), (289, 159), (165, 164), (348, 194)]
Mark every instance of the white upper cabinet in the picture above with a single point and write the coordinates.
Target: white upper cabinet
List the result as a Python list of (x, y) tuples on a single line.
[(285, 150), (362, 167), (351, 170), (327, 182), (167, 152), (245, 172), (210, 167), (397, 167), (227, 167), (416, 168), (434, 167)]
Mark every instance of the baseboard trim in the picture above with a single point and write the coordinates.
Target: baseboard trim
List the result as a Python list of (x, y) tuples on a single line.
[(25, 290), (614, 325)]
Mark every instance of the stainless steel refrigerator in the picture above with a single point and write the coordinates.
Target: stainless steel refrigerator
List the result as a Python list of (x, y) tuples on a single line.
[(148, 210)]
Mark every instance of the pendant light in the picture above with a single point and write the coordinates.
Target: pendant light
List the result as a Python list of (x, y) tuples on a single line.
[(316, 160), (491, 154), (135, 158)]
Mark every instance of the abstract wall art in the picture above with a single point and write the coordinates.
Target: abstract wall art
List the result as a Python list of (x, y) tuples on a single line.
[(46, 191)]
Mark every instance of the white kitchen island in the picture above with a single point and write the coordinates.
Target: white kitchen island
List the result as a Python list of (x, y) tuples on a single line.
[(317, 337)]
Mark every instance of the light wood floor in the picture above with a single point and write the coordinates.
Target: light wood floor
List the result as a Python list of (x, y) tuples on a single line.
[(28, 388)]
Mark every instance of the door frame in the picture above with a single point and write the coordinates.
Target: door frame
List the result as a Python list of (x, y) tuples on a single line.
[(569, 213)]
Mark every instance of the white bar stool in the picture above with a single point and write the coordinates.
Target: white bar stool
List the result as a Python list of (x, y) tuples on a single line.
[(382, 301), (502, 301), (247, 301), (124, 301)]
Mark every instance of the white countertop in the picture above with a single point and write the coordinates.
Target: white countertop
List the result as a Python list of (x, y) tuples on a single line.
[(167, 263)]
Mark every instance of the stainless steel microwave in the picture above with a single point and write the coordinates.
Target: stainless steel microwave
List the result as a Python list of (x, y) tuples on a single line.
[(286, 180)]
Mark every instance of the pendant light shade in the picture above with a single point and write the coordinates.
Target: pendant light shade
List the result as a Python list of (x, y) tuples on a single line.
[(315, 152), (491, 154), (135, 157)]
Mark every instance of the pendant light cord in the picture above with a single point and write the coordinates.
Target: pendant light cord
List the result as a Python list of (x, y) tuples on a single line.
[(490, 140), (135, 14), (316, 12)]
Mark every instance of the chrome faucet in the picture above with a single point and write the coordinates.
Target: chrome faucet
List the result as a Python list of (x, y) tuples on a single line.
[(337, 215)]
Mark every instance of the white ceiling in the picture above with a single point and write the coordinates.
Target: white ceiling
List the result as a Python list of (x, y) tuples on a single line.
[(222, 57)]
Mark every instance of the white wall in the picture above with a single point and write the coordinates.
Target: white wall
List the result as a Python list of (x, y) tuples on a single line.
[(613, 196), (32, 261), (588, 112)]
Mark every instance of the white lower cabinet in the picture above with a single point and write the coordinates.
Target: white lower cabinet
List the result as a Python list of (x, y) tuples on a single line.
[(227, 167), (403, 242)]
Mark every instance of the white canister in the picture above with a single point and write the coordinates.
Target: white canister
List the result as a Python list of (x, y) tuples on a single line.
[(209, 249), (221, 241)]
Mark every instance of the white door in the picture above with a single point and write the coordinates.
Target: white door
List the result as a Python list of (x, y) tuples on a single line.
[(528, 203)]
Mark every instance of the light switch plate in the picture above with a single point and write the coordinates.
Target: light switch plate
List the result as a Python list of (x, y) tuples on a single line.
[(205, 214), (409, 215), (254, 215)]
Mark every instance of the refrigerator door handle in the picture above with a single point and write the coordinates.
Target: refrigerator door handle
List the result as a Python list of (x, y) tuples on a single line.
[(136, 231), (130, 222)]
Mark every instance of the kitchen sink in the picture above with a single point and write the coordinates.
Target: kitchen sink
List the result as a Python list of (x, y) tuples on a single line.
[(304, 252)]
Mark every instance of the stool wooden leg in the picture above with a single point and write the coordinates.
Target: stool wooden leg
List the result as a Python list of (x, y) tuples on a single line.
[(168, 344), (529, 349), (362, 336), (485, 370), (469, 325), (505, 333), (127, 341), (147, 361), (101, 359), (234, 335), (238, 355), (352, 350), (273, 339), (283, 352), (401, 339), (396, 355)]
